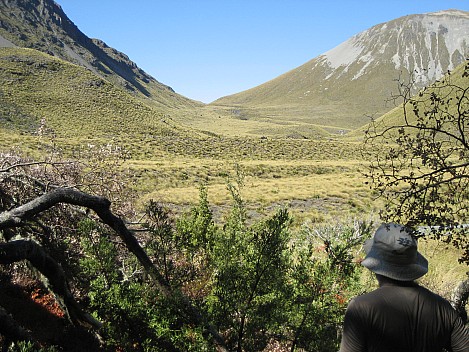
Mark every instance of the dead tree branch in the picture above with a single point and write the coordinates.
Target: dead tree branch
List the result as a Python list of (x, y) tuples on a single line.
[(18, 250), (10, 328), (460, 297), (20, 216)]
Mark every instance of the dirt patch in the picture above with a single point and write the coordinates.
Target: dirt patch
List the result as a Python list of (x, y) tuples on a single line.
[(36, 310)]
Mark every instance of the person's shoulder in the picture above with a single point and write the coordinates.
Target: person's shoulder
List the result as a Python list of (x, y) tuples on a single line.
[(365, 299), (427, 293)]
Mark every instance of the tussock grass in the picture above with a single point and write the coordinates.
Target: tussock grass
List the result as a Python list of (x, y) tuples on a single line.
[(72, 100), (310, 189), (289, 163), (444, 270)]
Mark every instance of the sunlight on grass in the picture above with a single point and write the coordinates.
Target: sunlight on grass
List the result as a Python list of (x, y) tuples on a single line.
[(444, 270)]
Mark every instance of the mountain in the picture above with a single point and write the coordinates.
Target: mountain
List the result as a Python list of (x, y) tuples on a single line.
[(449, 86), (43, 25), (41, 93), (340, 89)]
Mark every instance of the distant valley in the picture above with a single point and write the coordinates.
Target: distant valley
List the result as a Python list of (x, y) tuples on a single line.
[(339, 90), (332, 94), (296, 137)]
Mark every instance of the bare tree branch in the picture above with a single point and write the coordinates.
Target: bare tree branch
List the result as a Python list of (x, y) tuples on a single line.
[(10, 328), (460, 297), (101, 206), (421, 157), (18, 250)]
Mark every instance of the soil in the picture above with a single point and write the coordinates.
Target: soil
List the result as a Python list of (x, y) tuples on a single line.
[(36, 310)]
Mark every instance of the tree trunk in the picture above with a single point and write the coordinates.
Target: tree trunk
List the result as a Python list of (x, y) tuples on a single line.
[(17, 250), (10, 328)]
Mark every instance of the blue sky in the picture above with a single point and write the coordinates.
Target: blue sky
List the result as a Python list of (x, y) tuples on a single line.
[(206, 49)]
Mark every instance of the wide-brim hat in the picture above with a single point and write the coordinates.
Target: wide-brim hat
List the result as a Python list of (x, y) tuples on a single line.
[(392, 252)]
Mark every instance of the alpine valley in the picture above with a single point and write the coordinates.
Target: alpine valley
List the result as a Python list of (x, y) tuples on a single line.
[(137, 219), (290, 135), (339, 90)]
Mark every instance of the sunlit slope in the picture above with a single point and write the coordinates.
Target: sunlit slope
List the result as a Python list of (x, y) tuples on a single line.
[(72, 101), (76, 105), (443, 88), (299, 98), (43, 25), (74, 108), (343, 87)]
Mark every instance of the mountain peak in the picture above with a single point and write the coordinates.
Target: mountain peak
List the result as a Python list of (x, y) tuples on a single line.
[(429, 44), (449, 12), (354, 80)]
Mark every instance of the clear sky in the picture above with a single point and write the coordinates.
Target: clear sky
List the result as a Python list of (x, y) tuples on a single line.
[(206, 49)]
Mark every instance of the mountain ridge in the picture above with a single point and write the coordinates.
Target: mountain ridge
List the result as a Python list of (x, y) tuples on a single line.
[(336, 92), (42, 91), (44, 26), (354, 80)]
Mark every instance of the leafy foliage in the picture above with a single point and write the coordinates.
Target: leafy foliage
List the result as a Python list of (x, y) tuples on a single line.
[(325, 276), (22, 346), (256, 282), (257, 286), (423, 172)]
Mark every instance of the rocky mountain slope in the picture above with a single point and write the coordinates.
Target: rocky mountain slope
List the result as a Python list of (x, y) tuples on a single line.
[(43, 25), (340, 89)]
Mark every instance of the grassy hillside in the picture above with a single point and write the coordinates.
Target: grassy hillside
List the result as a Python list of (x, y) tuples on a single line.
[(73, 101), (42, 25), (441, 88), (340, 89), (304, 97), (168, 160)]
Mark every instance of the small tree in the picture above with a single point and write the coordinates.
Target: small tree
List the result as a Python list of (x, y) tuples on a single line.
[(420, 158)]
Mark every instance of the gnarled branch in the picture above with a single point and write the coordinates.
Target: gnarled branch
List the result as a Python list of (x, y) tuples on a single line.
[(460, 297), (19, 216), (31, 251), (10, 328)]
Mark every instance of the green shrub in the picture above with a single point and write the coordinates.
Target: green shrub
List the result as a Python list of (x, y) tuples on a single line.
[(258, 282)]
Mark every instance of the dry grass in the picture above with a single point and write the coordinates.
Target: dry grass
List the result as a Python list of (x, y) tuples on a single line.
[(444, 270), (311, 189)]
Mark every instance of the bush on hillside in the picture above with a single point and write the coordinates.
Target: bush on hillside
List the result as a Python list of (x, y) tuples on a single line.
[(241, 285), (420, 165)]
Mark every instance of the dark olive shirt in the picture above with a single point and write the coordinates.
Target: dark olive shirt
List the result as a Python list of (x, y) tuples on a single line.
[(402, 319)]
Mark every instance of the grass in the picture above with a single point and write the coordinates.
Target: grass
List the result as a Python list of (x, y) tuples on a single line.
[(167, 159), (306, 96), (444, 270), (311, 189), (72, 100), (307, 167), (255, 122)]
